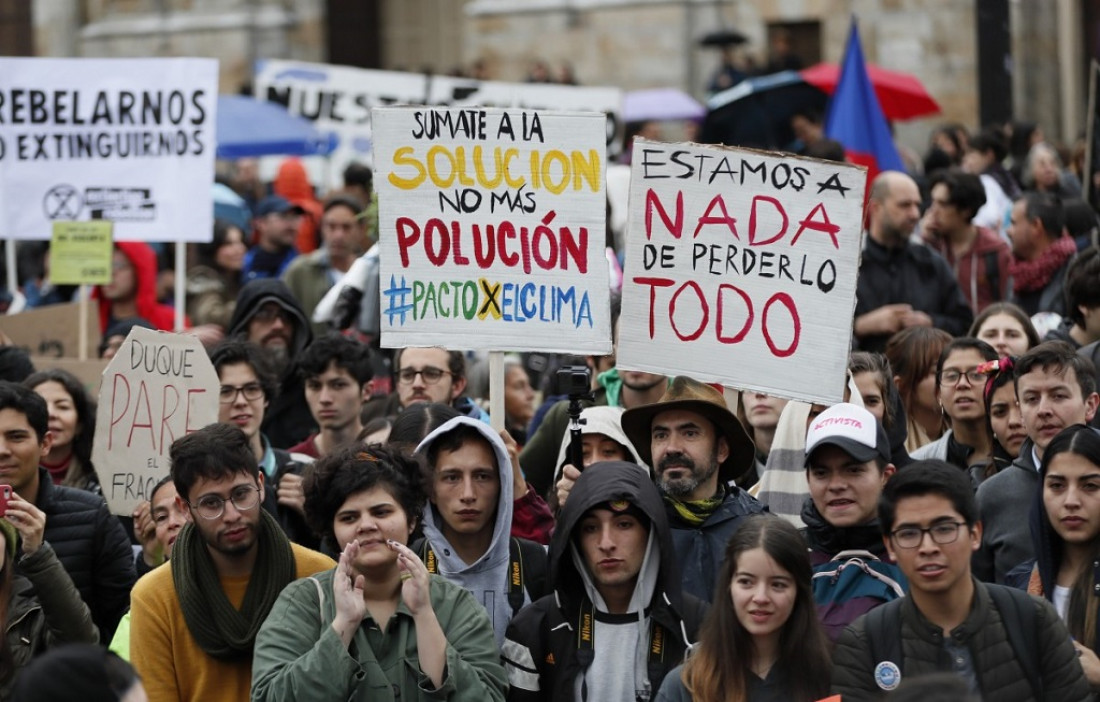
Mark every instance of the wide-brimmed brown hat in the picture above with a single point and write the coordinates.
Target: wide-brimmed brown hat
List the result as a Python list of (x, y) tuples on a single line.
[(688, 394)]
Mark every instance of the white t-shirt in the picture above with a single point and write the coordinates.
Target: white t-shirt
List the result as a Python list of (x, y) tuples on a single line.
[(1061, 601)]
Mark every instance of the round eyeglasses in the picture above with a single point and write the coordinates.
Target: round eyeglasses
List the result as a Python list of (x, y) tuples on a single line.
[(243, 497)]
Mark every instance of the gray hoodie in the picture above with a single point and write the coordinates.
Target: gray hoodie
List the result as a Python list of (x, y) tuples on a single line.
[(487, 577)]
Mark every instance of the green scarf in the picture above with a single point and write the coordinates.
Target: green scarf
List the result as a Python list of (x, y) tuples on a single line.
[(218, 627), (695, 512)]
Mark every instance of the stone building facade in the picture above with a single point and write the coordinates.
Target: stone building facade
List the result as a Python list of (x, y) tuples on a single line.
[(627, 43)]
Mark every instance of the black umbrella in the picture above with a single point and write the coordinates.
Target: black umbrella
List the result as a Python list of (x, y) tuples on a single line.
[(723, 37), (757, 111)]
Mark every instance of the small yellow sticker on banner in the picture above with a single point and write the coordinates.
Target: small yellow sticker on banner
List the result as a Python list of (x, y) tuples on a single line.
[(80, 253)]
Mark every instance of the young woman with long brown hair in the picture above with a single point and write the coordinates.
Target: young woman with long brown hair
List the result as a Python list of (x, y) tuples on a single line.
[(761, 641)]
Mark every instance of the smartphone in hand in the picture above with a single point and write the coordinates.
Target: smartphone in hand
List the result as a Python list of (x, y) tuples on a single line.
[(5, 495)]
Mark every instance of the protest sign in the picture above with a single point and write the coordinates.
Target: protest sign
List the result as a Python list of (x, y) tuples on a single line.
[(126, 140), (53, 331), (159, 387), (741, 268), (80, 253), (339, 99), (492, 229)]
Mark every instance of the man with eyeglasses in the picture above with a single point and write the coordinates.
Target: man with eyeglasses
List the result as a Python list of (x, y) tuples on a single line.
[(247, 386), (267, 315), (1055, 388), (194, 620), (960, 382), (429, 375), (1005, 644)]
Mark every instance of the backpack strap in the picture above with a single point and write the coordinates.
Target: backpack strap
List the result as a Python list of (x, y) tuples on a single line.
[(861, 560), (1019, 616), (515, 576), (882, 625), (534, 568)]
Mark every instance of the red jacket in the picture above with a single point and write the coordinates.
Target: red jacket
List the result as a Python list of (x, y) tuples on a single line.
[(982, 272), (144, 260), (292, 182)]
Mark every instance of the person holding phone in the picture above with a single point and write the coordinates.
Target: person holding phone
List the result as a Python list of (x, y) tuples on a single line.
[(42, 607)]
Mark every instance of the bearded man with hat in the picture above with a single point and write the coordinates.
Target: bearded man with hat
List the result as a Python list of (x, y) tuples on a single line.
[(697, 449)]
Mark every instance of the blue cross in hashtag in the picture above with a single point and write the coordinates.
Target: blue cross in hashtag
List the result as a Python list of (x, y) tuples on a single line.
[(398, 296)]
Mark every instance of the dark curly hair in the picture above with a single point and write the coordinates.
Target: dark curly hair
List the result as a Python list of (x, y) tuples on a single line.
[(338, 476)]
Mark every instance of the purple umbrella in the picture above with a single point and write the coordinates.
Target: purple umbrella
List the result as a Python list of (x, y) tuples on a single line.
[(660, 104)]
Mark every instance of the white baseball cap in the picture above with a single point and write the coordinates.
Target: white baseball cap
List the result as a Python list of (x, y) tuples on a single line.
[(850, 428)]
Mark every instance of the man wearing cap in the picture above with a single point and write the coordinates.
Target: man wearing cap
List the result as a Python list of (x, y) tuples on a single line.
[(617, 620), (697, 449), (276, 225), (267, 315), (847, 465)]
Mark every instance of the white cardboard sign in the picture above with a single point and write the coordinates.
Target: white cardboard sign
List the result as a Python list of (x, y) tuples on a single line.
[(492, 229), (126, 140), (741, 268), (158, 387), (339, 99)]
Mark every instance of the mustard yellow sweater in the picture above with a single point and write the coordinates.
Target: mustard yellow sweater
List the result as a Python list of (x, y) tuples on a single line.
[(171, 664)]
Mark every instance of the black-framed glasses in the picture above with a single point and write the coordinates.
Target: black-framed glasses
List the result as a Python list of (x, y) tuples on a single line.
[(430, 374), (942, 533), (243, 497), (227, 394), (973, 376)]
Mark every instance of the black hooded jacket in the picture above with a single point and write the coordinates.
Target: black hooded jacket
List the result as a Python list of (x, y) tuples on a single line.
[(287, 421), (542, 651)]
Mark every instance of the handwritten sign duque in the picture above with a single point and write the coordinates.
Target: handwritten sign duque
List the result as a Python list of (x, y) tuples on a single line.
[(159, 387)]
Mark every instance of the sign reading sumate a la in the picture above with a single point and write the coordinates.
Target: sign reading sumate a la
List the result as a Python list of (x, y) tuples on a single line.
[(492, 229)]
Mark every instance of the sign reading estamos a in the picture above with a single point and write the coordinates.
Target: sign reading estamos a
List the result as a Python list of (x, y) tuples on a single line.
[(741, 268), (492, 229)]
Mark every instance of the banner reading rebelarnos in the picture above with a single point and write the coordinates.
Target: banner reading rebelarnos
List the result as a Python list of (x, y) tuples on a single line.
[(741, 268), (492, 229), (126, 140)]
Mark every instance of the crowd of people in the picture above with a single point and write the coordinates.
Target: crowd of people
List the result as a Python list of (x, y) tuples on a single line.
[(353, 528)]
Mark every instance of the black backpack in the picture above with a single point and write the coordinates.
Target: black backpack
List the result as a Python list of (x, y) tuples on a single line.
[(1017, 608)]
